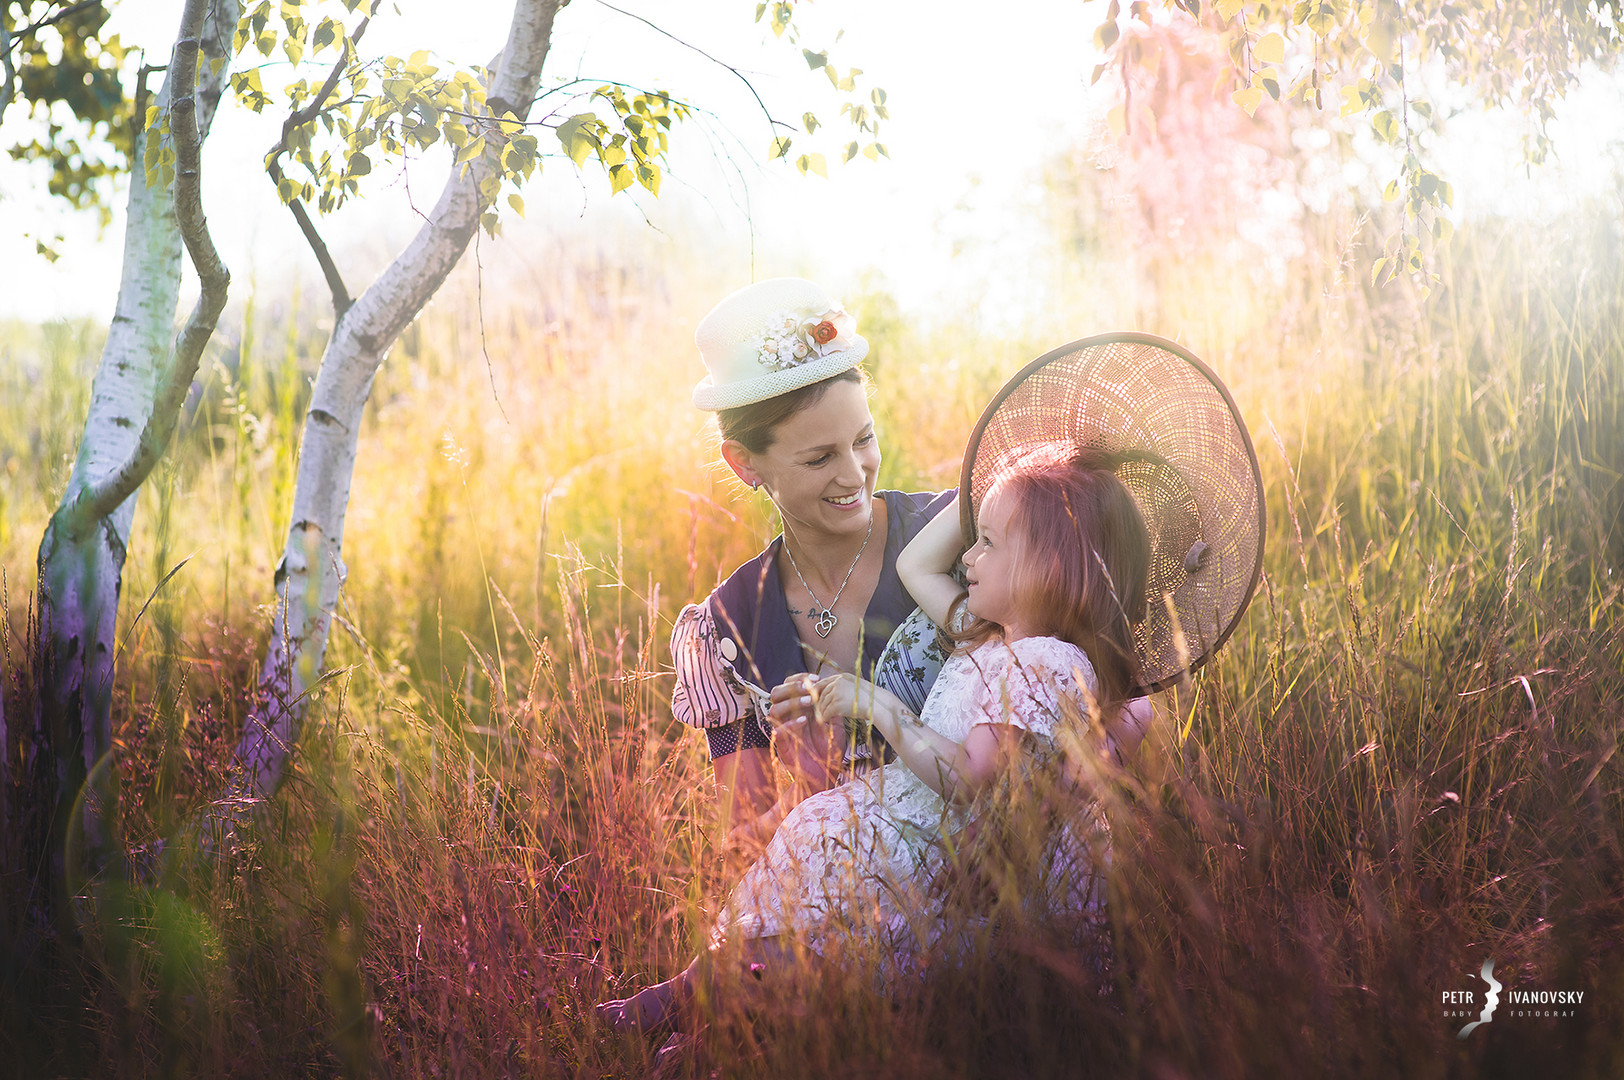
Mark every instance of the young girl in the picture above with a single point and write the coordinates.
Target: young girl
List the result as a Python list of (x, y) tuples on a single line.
[(1056, 581)]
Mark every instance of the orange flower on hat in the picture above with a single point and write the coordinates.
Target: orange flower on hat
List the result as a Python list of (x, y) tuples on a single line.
[(829, 331)]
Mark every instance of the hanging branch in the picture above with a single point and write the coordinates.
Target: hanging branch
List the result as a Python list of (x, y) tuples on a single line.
[(273, 165)]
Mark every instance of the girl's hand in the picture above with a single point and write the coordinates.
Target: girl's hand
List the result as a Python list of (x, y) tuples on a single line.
[(836, 696), (825, 698)]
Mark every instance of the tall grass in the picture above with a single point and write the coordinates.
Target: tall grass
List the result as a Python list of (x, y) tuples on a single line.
[(1402, 764)]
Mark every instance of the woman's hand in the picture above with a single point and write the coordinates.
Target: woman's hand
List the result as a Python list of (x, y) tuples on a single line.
[(829, 698), (792, 700)]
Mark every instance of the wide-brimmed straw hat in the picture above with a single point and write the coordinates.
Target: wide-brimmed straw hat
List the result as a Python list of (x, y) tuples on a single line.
[(770, 338), (1178, 444)]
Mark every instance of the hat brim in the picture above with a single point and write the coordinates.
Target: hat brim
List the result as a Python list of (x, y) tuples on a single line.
[(1188, 462), (713, 398)]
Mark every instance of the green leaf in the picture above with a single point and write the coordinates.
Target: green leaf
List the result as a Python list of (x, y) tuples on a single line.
[(1248, 99), (471, 151), (1390, 193), (1376, 271), (1385, 127), (1105, 35), (1270, 49), (1228, 8), (779, 148), (649, 177), (325, 35), (620, 178), (578, 137), (851, 151), (816, 163), (815, 60), (359, 164), (517, 203), (810, 122)]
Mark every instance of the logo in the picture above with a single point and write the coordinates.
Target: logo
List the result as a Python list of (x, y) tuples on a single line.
[(1518, 1003), (1490, 1001)]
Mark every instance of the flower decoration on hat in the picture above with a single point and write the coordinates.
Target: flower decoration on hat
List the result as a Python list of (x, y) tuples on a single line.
[(770, 338), (790, 340)]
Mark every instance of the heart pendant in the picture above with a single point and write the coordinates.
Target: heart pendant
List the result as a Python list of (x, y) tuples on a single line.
[(826, 622)]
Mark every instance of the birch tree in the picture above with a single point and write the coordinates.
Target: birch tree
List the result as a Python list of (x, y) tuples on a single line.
[(385, 108), (136, 397)]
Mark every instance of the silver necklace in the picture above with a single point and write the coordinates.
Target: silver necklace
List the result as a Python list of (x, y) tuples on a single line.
[(824, 620)]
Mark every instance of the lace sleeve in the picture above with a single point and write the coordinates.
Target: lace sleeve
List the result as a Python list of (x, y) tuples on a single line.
[(1031, 679), (703, 697)]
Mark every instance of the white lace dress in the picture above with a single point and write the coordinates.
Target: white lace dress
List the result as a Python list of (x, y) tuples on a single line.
[(859, 859)]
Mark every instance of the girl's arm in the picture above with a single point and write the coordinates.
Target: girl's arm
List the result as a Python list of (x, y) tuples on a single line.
[(953, 770), (925, 565)]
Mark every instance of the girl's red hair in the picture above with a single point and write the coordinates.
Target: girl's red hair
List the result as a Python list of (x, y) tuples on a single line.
[(1082, 564)]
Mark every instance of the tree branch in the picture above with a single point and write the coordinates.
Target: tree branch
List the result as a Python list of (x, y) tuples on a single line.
[(324, 258), (748, 85), (9, 84), (104, 497), (65, 13)]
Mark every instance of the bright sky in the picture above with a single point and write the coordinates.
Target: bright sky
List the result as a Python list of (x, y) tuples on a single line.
[(979, 101)]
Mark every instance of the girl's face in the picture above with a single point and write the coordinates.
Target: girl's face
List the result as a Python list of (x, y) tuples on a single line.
[(821, 466), (990, 564)]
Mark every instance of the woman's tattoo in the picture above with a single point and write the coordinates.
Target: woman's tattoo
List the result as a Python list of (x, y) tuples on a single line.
[(908, 717)]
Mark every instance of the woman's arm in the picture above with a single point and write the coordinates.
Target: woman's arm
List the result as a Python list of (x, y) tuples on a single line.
[(926, 564), (953, 770)]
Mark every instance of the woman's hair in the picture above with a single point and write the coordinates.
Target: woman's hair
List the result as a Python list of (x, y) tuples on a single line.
[(754, 425), (1081, 566)]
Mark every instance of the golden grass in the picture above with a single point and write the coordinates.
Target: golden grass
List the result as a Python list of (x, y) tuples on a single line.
[(1404, 761)]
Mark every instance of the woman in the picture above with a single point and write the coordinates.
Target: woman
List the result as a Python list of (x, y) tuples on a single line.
[(824, 597), (1057, 581)]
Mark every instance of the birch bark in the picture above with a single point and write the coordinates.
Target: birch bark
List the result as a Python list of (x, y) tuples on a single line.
[(135, 397), (312, 571)]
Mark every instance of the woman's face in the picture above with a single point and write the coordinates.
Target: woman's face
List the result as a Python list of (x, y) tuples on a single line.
[(821, 466)]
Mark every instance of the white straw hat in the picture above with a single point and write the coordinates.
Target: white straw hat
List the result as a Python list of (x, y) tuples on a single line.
[(770, 338)]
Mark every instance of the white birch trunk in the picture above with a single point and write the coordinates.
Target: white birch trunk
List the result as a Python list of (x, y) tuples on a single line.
[(312, 571), (81, 556)]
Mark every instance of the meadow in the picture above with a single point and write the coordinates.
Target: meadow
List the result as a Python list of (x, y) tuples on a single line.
[(1403, 763)]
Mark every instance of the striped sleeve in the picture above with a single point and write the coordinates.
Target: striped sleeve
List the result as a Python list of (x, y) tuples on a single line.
[(703, 698)]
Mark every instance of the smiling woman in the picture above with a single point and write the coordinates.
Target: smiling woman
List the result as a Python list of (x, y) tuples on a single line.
[(824, 597)]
